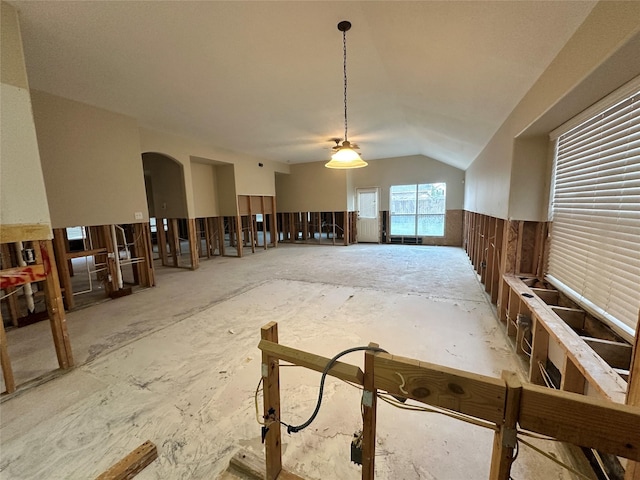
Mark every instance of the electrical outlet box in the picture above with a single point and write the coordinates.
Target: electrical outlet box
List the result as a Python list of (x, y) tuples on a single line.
[(356, 448), (138, 215)]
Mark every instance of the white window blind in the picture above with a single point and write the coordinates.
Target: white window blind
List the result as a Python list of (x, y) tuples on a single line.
[(594, 252)]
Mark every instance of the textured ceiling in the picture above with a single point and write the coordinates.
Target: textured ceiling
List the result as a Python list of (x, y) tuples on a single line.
[(265, 78)]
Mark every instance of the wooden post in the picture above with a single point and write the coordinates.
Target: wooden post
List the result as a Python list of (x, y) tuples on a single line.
[(251, 226), (12, 301), (221, 235), (275, 235), (174, 241), (264, 223), (239, 235), (5, 362), (504, 440), (633, 396), (271, 395), (539, 350), (345, 228), (333, 228), (60, 248), (369, 407), (161, 238), (193, 243), (55, 307)]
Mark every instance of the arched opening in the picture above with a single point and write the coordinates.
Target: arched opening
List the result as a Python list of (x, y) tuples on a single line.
[(168, 213)]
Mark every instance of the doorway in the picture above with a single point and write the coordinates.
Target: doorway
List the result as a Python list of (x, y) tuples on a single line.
[(368, 215)]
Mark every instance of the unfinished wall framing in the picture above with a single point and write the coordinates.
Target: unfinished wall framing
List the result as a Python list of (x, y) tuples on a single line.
[(325, 228), (28, 274), (505, 405), (106, 251), (562, 345)]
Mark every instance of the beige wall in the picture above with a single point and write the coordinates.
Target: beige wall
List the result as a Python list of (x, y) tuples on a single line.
[(23, 198), (249, 178), (204, 190), (226, 186), (311, 187), (164, 175), (414, 169), (91, 163), (509, 179)]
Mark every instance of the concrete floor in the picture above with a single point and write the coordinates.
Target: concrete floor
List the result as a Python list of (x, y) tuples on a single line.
[(178, 365)]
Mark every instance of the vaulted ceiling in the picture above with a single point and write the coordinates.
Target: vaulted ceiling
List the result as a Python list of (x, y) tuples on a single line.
[(435, 78)]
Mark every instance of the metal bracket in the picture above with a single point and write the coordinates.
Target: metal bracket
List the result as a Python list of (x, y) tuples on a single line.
[(367, 398), (509, 437)]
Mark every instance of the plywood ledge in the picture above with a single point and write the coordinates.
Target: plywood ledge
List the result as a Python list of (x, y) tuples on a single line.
[(25, 232)]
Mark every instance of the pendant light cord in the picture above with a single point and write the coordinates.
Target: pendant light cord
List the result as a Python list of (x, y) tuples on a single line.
[(344, 57)]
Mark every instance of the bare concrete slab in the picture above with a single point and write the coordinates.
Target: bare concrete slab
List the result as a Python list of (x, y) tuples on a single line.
[(179, 365)]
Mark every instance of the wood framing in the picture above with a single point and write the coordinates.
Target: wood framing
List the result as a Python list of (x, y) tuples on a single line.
[(271, 411), (132, 464), (506, 403), (5, 361), (633, 397), (504, 440), (369, 411)]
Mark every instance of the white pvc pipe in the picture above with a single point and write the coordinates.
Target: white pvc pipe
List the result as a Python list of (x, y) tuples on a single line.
[(116, 257), (28, 291)]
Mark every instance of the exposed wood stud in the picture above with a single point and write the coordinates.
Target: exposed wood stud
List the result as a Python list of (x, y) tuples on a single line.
[(271, 410)]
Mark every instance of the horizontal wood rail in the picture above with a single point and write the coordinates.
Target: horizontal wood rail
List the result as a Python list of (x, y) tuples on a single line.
[(568, 417)]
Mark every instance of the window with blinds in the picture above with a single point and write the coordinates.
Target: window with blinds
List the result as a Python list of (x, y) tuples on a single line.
[(594, 252)]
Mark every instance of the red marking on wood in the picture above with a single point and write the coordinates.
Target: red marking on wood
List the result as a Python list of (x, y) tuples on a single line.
[(15, 277)]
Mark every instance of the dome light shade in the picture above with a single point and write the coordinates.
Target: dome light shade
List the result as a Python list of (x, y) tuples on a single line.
[(346, 157)]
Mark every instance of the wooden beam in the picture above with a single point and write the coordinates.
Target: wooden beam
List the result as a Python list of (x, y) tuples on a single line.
[(343, 371), (12, 300), (161, 239), (369, 409), (274, 227), (582, 420), (504, 440), (539, 350), (60, 249), (239, 236), (132, 464), (264, 223), (271, 411), (469, 393), (194, 240), (550, 297), (24, 232), (5, 361), (572, 378), (633, 396), (85, 253), (596, 371), (55, 307), (16, 276)]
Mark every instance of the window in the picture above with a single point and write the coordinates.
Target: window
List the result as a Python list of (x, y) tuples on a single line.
[(418, 210), (594, 254)]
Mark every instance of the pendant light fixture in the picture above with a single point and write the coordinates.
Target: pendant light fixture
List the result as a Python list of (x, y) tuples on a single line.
[(345, 155)]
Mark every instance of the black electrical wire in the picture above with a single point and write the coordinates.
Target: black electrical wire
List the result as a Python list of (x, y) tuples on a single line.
[(331, 363)]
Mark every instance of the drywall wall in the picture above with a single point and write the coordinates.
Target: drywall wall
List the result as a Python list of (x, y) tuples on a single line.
[(249, 177), (167, 185), (509, 180), (226, 186), (311, 187), (413, 169), (204, 180), (91, 163), (23, 198)]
